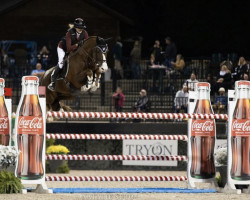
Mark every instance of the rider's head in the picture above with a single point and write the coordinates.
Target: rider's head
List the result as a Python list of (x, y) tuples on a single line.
[(79, 25)]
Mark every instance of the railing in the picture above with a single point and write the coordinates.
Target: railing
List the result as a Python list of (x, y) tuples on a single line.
[(161, 89)]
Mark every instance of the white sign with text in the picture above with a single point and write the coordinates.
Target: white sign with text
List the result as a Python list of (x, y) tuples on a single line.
[(151, 148)]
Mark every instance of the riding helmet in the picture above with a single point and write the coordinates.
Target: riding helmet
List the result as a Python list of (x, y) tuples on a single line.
[(79, 23)]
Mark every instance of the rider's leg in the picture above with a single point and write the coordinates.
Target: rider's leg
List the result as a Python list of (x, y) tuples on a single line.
[(58, 68)]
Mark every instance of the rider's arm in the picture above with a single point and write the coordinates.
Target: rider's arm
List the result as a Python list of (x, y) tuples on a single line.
[(86, 35), (68, 43)]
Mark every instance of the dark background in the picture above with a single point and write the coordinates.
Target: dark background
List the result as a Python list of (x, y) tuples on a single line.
[(198, 27)]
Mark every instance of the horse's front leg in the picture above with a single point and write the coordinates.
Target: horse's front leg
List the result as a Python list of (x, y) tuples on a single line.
[(96, 82), (88, 85)]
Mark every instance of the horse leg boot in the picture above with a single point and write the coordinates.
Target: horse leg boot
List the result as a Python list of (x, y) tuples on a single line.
[(96, 83), (88, 85), (54, 76)]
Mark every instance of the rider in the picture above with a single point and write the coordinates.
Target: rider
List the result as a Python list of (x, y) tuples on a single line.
[(74, 38)]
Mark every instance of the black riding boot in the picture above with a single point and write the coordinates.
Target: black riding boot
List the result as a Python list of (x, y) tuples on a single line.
[(54, 76)]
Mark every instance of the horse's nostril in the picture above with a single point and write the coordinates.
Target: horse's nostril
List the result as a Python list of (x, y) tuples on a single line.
[(102, 69)]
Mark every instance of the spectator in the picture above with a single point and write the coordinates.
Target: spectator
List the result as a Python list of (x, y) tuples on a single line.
[(38, 71), (156, 53), (119, 99), (4, 63), (181, 99), (117, 51), (191, 82), (43, 57), (223, 79), (142, 104), (211, 80), (246, 77), (170, 52), (220, 102), (241, 69), (135, 60), (179, 64)]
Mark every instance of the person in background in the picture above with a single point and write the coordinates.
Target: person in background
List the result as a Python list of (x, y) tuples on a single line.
[(181, 99), (246, 77), (142, 104), (179, 64), (38, 71), (223, 79), (191, 82), (170, 52), (220, 102), (241, 69), (135, 60), (4, 63), (119, 99), (210, 79), (117, 52), (43, 57), (156, 53)]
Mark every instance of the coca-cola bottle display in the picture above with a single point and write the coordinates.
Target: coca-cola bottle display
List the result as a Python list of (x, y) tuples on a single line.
[(203, 136), (30, 131), (4, 118), (240, 133)]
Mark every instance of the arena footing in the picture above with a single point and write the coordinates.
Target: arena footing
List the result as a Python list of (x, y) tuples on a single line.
[(131, 190)]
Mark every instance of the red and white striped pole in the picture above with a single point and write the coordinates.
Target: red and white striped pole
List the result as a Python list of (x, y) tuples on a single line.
[(116, 178), (114, 137), (108, 115), (115, 157)]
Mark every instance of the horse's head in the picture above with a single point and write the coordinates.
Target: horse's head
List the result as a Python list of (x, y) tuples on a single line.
[(99, 54)]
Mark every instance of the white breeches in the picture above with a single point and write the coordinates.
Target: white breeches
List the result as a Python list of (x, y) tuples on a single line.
[(61, 55)]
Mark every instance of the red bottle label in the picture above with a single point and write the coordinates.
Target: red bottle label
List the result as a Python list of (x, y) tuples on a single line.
[(203, 127), (240, 127), (4, 126), (30, 125)]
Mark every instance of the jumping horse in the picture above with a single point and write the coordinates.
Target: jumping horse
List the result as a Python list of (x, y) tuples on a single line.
[(81, 73)]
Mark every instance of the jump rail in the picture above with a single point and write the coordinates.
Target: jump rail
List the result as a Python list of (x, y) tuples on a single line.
[(115, 178), (109, 115), (114, 157), (114, 137)]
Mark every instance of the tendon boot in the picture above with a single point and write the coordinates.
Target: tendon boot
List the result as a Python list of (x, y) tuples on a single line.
[(54, 76)]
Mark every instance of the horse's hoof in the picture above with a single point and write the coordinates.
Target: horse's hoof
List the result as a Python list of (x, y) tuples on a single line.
[(93, 89), (50, 119), (84, 88)]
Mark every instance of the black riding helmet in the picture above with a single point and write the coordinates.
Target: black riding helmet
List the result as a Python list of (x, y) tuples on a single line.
[(79, 23)]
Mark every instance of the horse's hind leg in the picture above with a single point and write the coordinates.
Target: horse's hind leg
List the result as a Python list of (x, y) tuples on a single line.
[(65, 107)]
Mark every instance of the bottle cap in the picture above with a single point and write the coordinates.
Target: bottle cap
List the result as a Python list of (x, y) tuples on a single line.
[(2, 82), (30, 79), (242, 84), (202, 85)]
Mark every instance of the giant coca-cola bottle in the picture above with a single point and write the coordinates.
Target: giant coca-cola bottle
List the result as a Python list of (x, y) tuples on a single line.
[(30, 131), (203, 136), (4, 118), (240, 132)]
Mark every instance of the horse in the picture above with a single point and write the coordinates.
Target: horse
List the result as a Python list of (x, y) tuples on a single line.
[(82, 72)]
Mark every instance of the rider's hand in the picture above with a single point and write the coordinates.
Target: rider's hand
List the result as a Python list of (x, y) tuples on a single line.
[(80, 43)]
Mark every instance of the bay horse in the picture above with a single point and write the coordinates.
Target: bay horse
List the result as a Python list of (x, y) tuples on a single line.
[(82, 73)]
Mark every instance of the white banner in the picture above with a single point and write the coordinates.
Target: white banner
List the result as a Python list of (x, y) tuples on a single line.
[(151, 148)]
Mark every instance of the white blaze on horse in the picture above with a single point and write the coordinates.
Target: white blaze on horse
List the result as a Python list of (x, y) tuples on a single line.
[(81, 73)]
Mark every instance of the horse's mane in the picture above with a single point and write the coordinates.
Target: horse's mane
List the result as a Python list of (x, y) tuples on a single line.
[(83, 45)]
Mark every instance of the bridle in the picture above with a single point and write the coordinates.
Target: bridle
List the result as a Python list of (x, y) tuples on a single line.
[(96, 62)]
